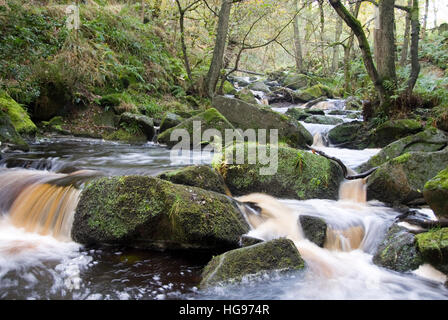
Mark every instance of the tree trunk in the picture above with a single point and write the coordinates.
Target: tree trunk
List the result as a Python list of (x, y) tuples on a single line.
[(322, 30), (356, 27), (347, 50), (297, 41), (415, 65), (425, 19), (218, 52), (385, 42), (404, 50), (435, 13), (182, 39), (337, 37)]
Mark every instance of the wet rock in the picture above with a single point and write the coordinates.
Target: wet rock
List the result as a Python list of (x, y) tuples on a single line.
[(297, 175), (393, 130), (323, 120), (398, 251), (246, 241), (170, 120), (146, 212), (232, 266), (145, 123), (246, 116), (429, 140), (9, 138), (314, 229), (436, 193), (209, 119), (246, 95), (433, 246), (402, 179), (297, 114), (259, 86), (352, 135), (314, 111), (17, 115), (296, 81), (203, 177)]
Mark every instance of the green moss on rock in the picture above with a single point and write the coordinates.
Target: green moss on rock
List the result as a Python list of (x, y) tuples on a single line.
[(9, 136), (433, 246), (19, 117), (147, 212), (436, 193), (232, 266)]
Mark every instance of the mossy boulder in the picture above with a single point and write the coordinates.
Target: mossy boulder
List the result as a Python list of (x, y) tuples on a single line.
[(246, 95), (297, 174), (392, 130), (440, 114), (209, 119), (18, 116), (137, 121), (110, 100), (296, 81), (429, 140), (352, 135), (203, 177), (228, 88), (231, 267), (9, 136), (170, 120), (148, 212), (319, 119), (436, 193), (298, 114), (398, 251), (433, 246), (259, 86), (402, 179), (247, 241), (353, 103), (314, 229), (316, 91), (247, 116)]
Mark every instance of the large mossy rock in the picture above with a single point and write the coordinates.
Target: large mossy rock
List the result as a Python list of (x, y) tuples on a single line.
[(393, 130), (297, 175), (246, 95), (314, 229), (351, 135), (319, 119), (9, 136), (19, 117), (398, 251), (296, 81), (203, 177), (433, 246), (402, 179), (144, 123), (429, 140), (169, 121), (247, 116), (436, 193), (147, 212), (231, 267), (259, 86), (209, 119)]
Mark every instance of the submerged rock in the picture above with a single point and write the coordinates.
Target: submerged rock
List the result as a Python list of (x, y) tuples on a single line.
[(398, 251), (297, 175), (429, 140), (203, 177), (436, 193), (314, 229), (209, 119), (232, 266), (141, 211), (247, 116), (402, 179)]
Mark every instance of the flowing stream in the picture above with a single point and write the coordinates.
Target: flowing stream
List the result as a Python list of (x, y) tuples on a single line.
[(40, 189)]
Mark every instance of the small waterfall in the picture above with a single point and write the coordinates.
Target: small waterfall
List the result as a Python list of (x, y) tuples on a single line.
[(353, 190), (42, 202)]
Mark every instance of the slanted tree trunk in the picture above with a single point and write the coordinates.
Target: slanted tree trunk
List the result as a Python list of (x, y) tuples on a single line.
[(404, 50), (356, 27), (297, 41), (218, 52)]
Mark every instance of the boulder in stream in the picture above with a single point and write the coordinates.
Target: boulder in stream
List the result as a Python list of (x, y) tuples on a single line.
[(401, 180), (279, 255), (170, 120), (436, 193), (314, 229), (146, 212), (18, 116), (204, 177), (433, 246), (297, 174), (393, 130), (398, 251), (144, 123), (248, 116), (9, 136), (319, 119)]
